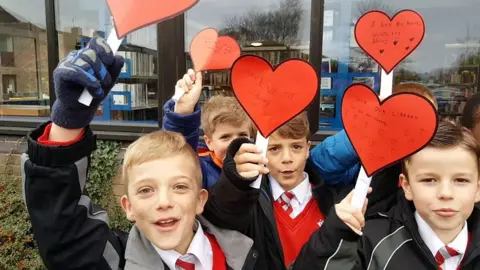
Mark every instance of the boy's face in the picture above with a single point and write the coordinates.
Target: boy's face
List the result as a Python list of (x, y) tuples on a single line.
[(222, 137), (287, 159), (163, 200), (444, 186)]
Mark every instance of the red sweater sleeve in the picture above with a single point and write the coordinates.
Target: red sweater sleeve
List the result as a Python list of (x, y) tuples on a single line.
[(44, 139)]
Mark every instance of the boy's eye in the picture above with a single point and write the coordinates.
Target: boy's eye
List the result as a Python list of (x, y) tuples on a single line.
[(462, 180), (273, 149), (297, 147), (428, 180), (145, 190), (180, 187), (244, 135), (224, 137)]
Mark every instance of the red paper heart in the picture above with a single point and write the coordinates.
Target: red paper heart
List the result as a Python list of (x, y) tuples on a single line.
[(130, 15), (384, 133), (389, 41), (272, 97), (211, 52)]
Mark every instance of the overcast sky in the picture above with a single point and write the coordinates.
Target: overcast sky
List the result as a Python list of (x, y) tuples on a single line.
[(443, 27)]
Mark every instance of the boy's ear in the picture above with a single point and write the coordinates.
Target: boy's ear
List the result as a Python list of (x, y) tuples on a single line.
[(309, 144), (405, 186), (127, 207), (477, 194), (208, 142), (202, 199)]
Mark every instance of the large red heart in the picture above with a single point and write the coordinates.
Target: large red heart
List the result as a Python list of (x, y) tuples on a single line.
[(211, 52), (272, 97), (130, 15), (389, 41), (384, 133)]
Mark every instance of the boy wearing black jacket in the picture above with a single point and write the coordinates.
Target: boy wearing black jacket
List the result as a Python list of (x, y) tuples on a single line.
[(163, 196), (435, 225), (289, 204)]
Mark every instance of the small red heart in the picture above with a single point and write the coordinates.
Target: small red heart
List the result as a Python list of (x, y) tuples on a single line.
[(383, 133), (130, 15), (389, 41), (211, 52), (272, 97)]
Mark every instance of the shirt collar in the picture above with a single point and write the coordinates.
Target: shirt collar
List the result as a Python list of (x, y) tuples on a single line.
[(200, 247), (434, 243), (301, 190)]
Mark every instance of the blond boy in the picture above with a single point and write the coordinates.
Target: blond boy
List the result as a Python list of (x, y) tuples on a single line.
[(163, 189), (221, 118)]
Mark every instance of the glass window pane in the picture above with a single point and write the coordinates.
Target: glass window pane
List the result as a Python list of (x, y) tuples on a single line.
[(273, 29), (447, 61), (24, 89), (135, 96)]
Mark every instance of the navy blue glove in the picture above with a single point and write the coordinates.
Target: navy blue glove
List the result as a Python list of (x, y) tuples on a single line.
[(94, 68)]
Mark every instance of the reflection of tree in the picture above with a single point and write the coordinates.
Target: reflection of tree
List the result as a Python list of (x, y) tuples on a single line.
[(363, 7), (279, 25)]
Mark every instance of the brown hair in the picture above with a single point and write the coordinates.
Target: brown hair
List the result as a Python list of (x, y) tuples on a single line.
[(222, 110), (297, 128), (450, 134), (417, 89), (158, 145)]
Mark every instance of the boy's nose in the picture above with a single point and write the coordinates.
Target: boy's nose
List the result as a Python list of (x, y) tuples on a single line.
[(163, 200), (445, 190), (286, 157)]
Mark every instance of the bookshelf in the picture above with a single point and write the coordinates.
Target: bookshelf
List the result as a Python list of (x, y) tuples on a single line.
[(135, 96)]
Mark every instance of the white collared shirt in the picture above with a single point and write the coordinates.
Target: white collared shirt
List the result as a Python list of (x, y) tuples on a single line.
[(435, 244), (199, 252), (303, 194)]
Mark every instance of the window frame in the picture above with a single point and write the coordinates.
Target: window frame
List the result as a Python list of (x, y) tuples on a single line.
[(166, 77)]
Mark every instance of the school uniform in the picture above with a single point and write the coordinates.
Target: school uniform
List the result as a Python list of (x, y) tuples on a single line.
[(73, 233), (278, 222), (396, 240)]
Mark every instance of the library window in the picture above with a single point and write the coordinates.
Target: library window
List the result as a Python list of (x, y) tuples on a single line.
[(23, 60), (447, 61), (273, 29), (135, 96)]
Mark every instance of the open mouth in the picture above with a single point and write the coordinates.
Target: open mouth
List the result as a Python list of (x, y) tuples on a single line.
[(167, 224), (287, 172)]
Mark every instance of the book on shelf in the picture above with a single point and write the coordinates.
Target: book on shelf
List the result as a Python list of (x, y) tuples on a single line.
[(138, 93), (142, 64)]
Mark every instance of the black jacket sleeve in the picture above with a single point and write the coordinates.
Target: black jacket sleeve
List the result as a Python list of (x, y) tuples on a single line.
[(333, 246), (385, 189), (232, 201), (70, 231)]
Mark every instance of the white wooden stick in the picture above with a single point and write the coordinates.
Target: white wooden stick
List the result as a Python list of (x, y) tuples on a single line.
[(114, 43)]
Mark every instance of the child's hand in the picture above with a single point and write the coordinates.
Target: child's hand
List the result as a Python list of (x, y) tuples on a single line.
[(191, 83), (250, 162), (351, 216), (94, 68)]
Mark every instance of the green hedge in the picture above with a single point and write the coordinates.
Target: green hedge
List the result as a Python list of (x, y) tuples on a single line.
[(17, 246)]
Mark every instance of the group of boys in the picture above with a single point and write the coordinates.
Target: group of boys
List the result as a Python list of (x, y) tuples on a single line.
[(201, 206)]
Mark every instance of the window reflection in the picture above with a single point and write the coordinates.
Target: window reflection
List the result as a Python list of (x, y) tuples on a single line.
[(273, 29), (447, 61), (24, 75)]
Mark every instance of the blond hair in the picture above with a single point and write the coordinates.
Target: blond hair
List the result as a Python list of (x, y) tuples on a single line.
[(297, 128), (158, 145), (417, 89), (222, 110)]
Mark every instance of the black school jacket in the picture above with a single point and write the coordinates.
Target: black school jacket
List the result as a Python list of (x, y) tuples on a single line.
[(233, 204), (73, 233), (391, 241)]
